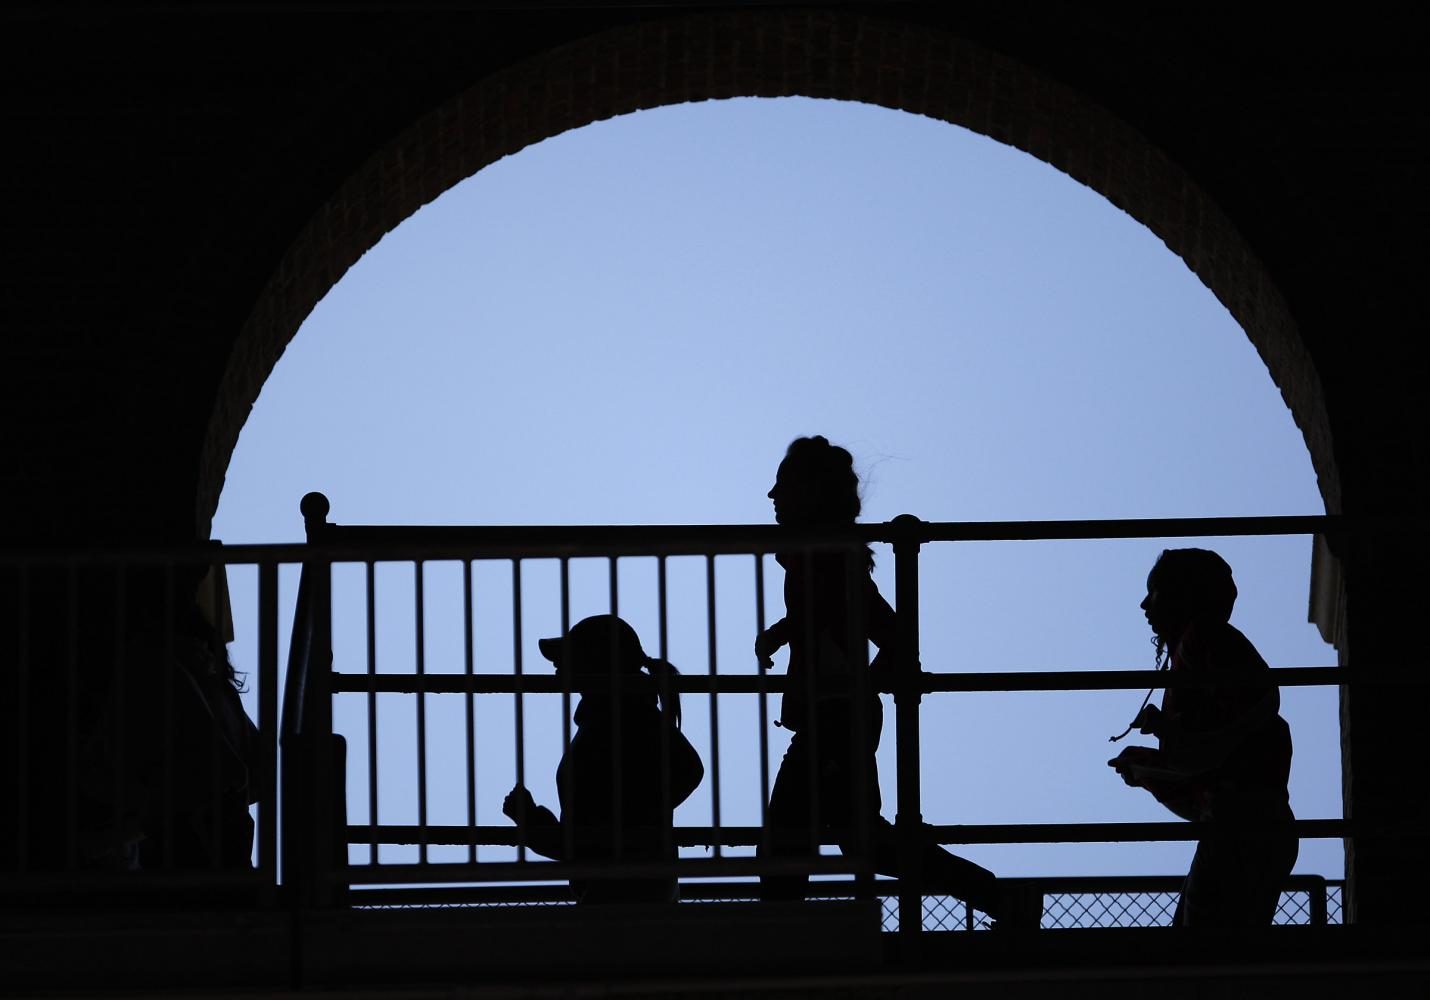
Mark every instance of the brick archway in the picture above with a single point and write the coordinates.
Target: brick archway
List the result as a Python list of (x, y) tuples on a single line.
[(756, 53)]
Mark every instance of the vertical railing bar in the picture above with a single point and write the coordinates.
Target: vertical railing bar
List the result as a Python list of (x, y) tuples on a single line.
[(1316, 897), (327, 848), (662, 607), (568, 800), (714, 701), (857, 642), (419, 575), (72, 723), (117, 703), (370, 636), (909, 819), (169, 680), (22, 724), (967, 915), (667, 808), (519, 703), (618, 693), (469, 668), (763, 695), (216, 803), (220, 663), (810, 658), (613, 584), (268, 723)]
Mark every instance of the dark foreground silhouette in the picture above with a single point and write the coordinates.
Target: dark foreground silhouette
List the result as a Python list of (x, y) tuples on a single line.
[(1223, 753), (828, 780), (136, 749), (627, 768)]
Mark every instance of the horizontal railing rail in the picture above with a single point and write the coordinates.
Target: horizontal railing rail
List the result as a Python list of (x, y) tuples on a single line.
[(313, 680), (688, 835), (407, 543), (928, 683), (1072, 901), (418, 545)]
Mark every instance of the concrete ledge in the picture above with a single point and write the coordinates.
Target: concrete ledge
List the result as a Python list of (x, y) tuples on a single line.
[(144, 950), (693, 950), (706, 939)]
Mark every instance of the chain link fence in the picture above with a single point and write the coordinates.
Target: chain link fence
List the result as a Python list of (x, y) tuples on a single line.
[(1105, 905), (1107, 908)]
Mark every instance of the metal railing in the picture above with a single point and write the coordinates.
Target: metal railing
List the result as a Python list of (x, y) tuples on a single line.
[(300, 789), (334, 544), (133, 762)]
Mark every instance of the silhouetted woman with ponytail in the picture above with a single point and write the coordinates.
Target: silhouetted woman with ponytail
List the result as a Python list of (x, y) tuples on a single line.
[(627, 768), (829, 770)]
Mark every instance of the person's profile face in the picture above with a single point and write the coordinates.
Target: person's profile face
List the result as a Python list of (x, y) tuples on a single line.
[(1163, 611), (794, 495), (776, 494), (560, 665), (568, 669)]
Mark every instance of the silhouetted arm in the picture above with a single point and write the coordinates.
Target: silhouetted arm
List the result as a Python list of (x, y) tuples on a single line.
[(770, 640), (1197, 752), (881, 623), (1145, 767), (882, 627), (542, 834), (1183, 800), (536, 826), (1240, 713)]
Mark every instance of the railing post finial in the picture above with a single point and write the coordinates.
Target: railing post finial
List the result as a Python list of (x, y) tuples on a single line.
[(907, 525), (315, 507), (908, 820)]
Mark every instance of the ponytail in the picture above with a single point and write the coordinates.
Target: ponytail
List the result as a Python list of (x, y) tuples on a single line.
[(663, 672)]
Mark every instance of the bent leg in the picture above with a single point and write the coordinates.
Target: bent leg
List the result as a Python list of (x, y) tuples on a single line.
[(946, 872), (943, 872)]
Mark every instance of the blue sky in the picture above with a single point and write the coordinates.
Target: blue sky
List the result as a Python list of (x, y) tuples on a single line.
[(628, 323)]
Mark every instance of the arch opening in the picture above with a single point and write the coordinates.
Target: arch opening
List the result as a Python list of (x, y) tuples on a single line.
[(755, 53), (1037, 586)]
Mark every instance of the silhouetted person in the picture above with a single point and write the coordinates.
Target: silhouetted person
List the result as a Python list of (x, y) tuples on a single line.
[(1224, 752), (816, 487), (135, 746), (58, 642), (614, 805), (172, 789)]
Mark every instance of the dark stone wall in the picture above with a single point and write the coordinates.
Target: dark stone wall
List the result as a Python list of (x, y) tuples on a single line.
[(181, 183)]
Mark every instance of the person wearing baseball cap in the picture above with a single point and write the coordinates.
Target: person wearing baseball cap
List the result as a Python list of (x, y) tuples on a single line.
[(626, 770)]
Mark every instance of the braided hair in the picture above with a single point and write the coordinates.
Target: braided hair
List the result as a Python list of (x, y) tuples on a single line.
[(1197, 582)]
